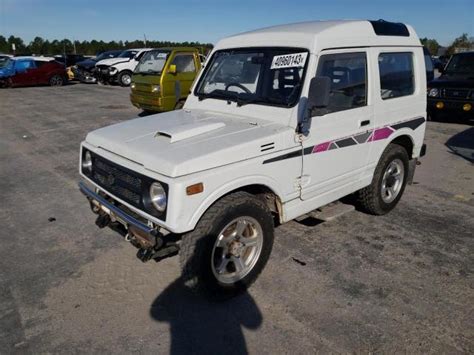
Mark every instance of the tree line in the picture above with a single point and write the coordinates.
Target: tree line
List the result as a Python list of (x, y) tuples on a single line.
[(463, 42), (40, 46)]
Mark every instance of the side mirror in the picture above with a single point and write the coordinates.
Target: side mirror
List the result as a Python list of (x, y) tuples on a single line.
[(318, 96), (172, 69)]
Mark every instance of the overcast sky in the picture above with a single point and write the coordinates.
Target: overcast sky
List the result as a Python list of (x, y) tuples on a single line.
[(209, 20)]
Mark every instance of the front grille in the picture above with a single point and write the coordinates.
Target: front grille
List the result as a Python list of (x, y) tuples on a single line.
[(142, 87), (125, 184), (456, 93), (119, 181)]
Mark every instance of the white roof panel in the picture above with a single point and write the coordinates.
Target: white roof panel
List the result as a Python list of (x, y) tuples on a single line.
[(319, 35)]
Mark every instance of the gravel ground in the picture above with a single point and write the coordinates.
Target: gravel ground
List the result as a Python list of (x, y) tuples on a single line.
[(398, 283)]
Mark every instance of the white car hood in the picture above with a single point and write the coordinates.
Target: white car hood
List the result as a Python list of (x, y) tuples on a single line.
[(112, 61), (180, 142)]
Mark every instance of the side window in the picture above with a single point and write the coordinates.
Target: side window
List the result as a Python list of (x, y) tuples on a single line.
[(184, 63), (40, 63), (25, 65), (348, 74), (140, 56), (396, 75)]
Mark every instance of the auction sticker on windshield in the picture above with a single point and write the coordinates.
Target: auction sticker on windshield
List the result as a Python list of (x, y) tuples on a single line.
[(292, 60)]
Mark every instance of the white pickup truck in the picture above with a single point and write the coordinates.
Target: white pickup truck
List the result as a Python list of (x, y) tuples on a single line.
[(281, 121), (119, 69)]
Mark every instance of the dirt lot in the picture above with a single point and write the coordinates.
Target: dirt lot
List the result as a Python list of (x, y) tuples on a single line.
[(399, 283)]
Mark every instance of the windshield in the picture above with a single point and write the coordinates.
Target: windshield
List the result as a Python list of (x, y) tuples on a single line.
[(152, 62), (128, 54), (6, 63), (106, 55), (271, 76), (461, 64)]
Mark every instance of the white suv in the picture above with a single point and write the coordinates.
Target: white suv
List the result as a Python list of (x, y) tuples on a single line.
[(119, 69), (281, 121)]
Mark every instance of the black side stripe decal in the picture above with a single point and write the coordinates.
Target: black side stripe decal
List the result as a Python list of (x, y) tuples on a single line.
[(360, 138)]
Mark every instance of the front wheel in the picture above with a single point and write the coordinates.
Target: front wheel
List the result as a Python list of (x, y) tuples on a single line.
[(229, 247), (125, 78), (388, 183)]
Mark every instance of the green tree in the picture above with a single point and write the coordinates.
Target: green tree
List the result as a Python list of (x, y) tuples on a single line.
[(36, 46), (461, 43), (431, 44)]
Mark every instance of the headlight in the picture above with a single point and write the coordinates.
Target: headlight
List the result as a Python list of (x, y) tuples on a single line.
[(87, 163), (433, 92), (155, 88), (158, 196), (112, 70)]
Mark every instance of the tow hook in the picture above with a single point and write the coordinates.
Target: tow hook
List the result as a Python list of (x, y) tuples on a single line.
[(103, 220)]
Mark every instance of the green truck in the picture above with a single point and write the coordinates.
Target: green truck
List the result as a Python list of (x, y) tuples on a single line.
[(163, 78)]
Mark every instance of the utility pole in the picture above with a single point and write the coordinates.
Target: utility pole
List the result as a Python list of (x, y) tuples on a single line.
[(74, 45), (144, 36)]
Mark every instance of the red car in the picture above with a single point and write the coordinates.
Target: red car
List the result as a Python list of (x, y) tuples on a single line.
[(25, 71)]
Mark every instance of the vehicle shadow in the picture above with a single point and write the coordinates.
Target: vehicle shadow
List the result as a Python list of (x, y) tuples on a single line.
[(146, 113), (462, 144), (201, 326)]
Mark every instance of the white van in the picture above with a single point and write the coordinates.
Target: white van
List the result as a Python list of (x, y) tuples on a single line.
[(281, 121)]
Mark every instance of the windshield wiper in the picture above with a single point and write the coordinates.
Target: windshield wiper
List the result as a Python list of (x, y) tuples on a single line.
[(218, 94)]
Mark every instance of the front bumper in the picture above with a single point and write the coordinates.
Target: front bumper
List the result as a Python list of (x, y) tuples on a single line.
[(149, 241), (448, 105), (146, 101), (115, 213)]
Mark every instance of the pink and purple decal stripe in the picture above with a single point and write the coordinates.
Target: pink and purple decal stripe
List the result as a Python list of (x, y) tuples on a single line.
[(360, 138)]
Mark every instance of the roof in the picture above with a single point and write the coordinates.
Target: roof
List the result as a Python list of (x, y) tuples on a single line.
[(177, 48), (323, 34)]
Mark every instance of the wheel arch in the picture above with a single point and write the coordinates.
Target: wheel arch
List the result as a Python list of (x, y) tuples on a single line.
[(262, 187), (405, 140)]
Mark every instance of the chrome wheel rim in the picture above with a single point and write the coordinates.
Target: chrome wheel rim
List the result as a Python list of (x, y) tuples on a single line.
[(56, 80), (237, 250), (392, 181), (126, 79)]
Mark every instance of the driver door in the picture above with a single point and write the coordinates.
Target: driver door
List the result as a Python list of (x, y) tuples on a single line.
[(336, 151)]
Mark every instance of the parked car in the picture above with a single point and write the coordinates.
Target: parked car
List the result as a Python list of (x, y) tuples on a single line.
[(119, 70), (163, 78), (84, 70), (280, 121), (25, 71), (4, 58), (453, 92), (69, 59)]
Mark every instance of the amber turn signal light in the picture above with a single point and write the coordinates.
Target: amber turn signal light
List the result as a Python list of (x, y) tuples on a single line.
[(194, 189)]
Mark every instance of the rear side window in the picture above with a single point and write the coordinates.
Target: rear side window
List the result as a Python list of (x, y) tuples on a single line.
[(397, 77), (348, 74)]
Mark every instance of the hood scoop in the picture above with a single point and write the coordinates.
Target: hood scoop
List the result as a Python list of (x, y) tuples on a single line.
[(181, 132)]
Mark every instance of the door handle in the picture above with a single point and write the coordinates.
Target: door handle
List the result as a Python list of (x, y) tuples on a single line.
[(364, 123)]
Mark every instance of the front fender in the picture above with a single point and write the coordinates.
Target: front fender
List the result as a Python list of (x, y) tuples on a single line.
[(230, 187)]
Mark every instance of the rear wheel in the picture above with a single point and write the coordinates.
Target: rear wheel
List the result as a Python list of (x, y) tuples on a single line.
[(56, 80), (125, 78), (388, 183), (229, 247)]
